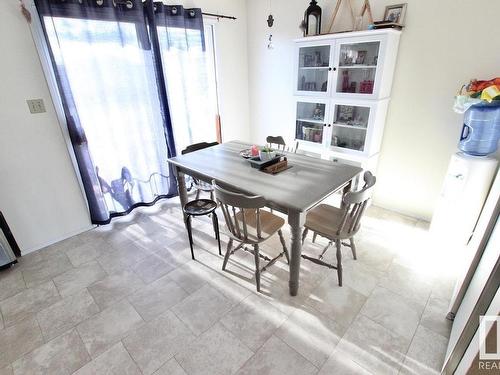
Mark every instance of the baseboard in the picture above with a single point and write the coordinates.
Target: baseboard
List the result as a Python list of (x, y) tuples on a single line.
[(55, 240)]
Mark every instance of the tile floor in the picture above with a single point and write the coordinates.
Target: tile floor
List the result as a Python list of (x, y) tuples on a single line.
[(128, 299)]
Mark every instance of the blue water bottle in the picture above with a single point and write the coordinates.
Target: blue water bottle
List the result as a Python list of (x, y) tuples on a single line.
[(481, 130)]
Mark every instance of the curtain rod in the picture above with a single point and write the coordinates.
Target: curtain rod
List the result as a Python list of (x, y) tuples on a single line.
[(219, 16)]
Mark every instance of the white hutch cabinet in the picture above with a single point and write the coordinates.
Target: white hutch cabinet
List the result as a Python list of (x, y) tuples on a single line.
[(342, 90)]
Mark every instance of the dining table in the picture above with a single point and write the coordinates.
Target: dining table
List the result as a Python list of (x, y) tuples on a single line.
[(294, 191)]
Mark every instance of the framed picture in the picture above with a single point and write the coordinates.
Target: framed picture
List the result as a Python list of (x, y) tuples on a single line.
[(360, 59), (395, 13), (345, 113)]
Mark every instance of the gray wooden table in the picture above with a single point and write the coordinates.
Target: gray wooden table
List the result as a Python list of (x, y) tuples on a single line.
[(292, 192)]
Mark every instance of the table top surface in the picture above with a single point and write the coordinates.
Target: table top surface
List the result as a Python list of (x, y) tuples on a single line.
[(308, 181)]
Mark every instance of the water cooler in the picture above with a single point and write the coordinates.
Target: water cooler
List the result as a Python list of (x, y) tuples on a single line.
[(469, 177)]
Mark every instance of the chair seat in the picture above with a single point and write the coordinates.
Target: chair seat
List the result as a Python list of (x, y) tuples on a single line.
[(199, 207), (269, 225), (326, 220)]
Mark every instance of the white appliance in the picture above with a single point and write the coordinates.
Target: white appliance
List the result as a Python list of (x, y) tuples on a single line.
[(466, 186)]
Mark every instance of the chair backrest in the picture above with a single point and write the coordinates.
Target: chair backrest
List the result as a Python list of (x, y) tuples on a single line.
[(276, 141), (236, 207), (355, 204), (198, 146)]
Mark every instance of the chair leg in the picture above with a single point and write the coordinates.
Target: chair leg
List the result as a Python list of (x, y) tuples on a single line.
[(314, 236), (211, 194), (304, 234), (228, 253), (216, 229), (353, 248), (283, 243), (198, 194), (257, 266), (190, 234), (339, 261)]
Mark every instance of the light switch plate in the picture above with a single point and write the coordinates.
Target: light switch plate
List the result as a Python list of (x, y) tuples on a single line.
[(36, 105)]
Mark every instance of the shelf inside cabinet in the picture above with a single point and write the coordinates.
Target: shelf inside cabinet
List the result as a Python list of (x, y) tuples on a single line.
[(313, 67), (358, 66), (349, 126), (311, 121)]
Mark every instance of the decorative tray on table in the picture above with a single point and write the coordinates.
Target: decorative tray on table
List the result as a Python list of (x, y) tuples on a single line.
[(273, 166)]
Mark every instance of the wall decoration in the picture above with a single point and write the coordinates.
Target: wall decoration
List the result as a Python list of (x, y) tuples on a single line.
[(336, 10), (395, 13), (312, 19), (366, 8), (270, 23)]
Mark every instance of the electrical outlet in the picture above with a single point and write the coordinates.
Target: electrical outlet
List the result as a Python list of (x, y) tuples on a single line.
[(36, 105)]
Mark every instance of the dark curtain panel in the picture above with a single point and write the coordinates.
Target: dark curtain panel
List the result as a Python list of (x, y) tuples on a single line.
[(113, 92)]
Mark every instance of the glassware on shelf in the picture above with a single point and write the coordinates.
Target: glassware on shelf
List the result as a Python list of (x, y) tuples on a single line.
[(313, 71), (357, 66)]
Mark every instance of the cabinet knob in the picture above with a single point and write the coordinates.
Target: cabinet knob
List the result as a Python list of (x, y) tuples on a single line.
[(324, 124), (334, 69), (329, 125)]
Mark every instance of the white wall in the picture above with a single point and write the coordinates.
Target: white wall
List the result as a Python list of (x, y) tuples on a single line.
[(441, 48), (39, 192)]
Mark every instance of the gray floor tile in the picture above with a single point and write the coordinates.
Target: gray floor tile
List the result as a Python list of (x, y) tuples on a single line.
[(28, 302), (125, 255), (6, 370), (103, 330), (12, 282), (152, 268), (400, 315), (277, 358), (434, 316), (426, 353), (156, 298), (216, 352), (46, 269), (191, 276), (171, 368), (114, 361), (158, 341), (341, 304), (115, 287), (18, 340), (311, 334), (88, 251), (407, 283), (61, 356), (374, 347), (253, 321), (361, 277), (202, 309), (66, 314), (79, 278), (342, 363)]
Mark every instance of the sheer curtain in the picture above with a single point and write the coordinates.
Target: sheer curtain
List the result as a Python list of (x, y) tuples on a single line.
[(114, 99), (189, 73)]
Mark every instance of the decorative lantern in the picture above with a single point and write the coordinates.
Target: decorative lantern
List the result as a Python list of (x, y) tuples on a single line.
[(312, 19)]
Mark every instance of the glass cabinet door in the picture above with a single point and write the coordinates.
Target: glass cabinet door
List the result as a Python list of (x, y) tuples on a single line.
[(313, 69), (350, 126), (310, 121), (357, 67)]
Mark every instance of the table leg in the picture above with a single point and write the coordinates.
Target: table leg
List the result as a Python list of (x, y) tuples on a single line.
[(296, 219), (181, 187)]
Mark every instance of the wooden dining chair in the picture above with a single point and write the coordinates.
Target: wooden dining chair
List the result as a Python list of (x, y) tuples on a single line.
[(339, 224), (199, 185), (248, 224)]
